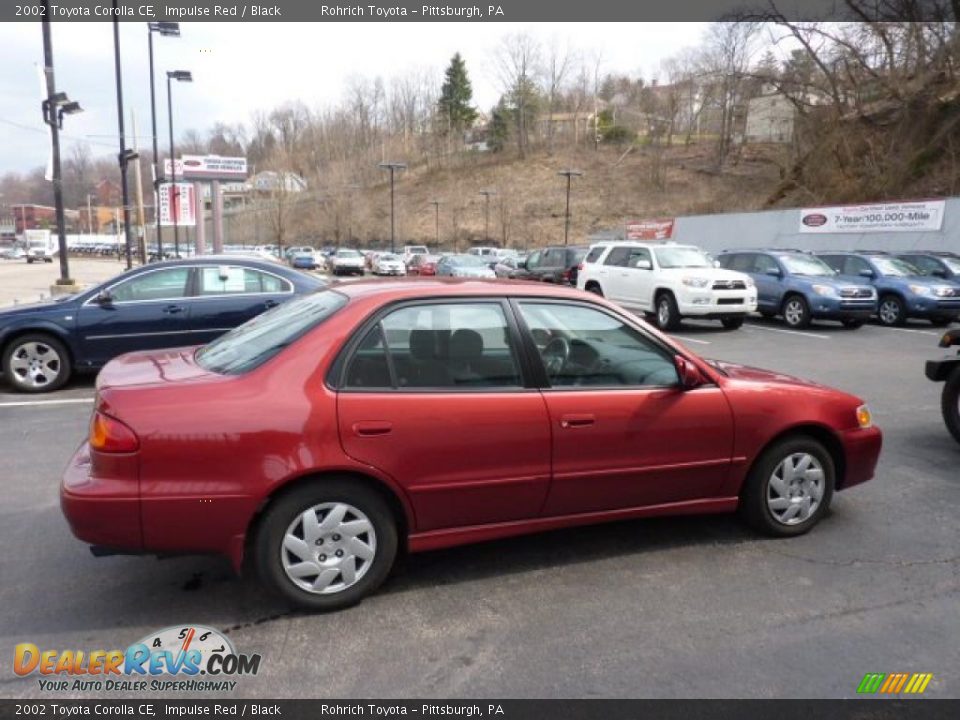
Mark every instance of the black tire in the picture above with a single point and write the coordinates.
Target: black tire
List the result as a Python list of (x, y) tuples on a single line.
[(277, 518), (950, 404), (767, 314), (796, 312), (896, 316), (593, 287), (48, 260), (666, 314), (732, 323), (942, 320), (14, 347), (753, 498), (29, 261), (852, 323)]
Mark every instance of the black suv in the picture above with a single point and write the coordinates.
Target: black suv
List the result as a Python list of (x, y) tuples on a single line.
[(557, 264)]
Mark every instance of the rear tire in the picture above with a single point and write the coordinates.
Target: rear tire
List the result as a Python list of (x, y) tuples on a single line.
[(767, 314), (593, 287), (667, 314), (349, 539), (950, 404), (774, 499), (733, 323)]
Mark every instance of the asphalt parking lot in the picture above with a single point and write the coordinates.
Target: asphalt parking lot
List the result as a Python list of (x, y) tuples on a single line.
[(689, 607)]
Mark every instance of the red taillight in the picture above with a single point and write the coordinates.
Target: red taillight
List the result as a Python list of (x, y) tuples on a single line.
[(109, 435), (566, 275), (580, 267)]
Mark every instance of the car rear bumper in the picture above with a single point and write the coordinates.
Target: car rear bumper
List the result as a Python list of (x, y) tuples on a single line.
[(862, 451), (100, 511)]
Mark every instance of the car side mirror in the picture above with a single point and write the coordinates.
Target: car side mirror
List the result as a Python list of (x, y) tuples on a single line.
[(773, 272), (105, 297), (643, 265), (939, 273), (690, 375)]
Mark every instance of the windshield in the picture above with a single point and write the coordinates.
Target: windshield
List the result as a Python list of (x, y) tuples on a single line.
[(682, 257), (348, 253), (466, 261), (952, 263), (895, 267), (258, 340), (416, 250), (805, 265), (388, 257)]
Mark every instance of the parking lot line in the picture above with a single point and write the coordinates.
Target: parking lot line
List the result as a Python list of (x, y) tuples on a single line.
[(40, 403), (918, 332), (684, 338), (788, 332)]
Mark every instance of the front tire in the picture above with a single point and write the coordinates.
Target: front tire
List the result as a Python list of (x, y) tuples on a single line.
[(796, 312), (326, 545), (36, 363), (950, 404), (891, 311), (667, 315), (789, 487)]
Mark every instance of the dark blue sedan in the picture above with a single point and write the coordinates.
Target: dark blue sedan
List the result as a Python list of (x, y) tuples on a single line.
[(166, 304)]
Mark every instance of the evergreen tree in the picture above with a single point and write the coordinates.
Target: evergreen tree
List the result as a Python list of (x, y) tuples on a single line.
[(498, 131), (454, 106)]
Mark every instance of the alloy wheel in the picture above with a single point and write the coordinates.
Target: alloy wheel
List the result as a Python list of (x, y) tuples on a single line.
[(35, 364), (328, 548), (663, 313), (795, 488), (793, 312), (889, 312)]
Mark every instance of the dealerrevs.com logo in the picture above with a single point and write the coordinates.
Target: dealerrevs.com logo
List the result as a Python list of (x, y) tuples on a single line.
[(188, 658)]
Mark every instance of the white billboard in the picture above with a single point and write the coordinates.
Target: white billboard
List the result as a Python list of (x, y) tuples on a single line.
[(177, 201), (207, 167), (921, 215)]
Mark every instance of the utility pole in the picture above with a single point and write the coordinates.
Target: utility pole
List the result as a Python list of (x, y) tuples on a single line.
[(141, 216), (123, 156), (392, 167), (568, 173), (486, 215), (436, 207)]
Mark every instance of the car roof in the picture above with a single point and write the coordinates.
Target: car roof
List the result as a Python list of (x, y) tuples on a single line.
[(417, 287)]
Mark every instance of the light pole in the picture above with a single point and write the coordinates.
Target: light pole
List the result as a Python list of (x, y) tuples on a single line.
[(568, 173), (392, 167), (436, 207), (125, 155), (54, 108), (486, 215), (179, 76), (165, 29)]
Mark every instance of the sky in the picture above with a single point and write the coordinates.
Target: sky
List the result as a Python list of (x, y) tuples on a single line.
[(240, 68)]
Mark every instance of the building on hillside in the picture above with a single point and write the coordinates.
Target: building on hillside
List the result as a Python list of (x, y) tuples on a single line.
[(566, 125), (39, 217), (269, 181), (770, 118), (107, 193)]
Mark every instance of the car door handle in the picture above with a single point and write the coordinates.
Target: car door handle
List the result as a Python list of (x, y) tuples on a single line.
[(372, 429), (575, 421), (173, 309), (271, 304)]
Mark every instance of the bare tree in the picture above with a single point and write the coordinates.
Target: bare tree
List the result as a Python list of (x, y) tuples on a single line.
[(517, 64), (557, 67)]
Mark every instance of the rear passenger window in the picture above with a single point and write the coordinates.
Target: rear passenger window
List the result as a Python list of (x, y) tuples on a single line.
[(763, 264), (440, 346), (742, 262), (618, 257), (594, 254), (239, 281)]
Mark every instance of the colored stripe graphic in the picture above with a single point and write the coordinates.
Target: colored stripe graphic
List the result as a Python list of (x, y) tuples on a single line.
[(871, 683), (894, 683)]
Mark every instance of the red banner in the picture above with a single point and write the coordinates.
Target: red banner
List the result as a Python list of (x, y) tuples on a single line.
[(654, 229)]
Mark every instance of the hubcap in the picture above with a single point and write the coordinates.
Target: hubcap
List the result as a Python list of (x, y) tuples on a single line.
[(889, 311), (328, 548), (795, 489), (663, 313), (793, 313), (35, 364)]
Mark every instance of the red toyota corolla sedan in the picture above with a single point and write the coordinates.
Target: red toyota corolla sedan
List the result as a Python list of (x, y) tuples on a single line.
[(322, 436)]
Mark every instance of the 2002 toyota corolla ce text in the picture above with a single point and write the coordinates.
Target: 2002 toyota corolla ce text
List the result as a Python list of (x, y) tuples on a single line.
[(319, 438)]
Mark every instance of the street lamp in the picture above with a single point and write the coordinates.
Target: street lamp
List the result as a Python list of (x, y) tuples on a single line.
[(54, 108), (179, 76), (124, 156), (392, 167), (568, 173), (486, 214), (164, 29), (436, 206)]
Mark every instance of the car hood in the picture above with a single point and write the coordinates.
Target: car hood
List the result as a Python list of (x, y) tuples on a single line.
[(36, 307), (752, 374), (150, 368)]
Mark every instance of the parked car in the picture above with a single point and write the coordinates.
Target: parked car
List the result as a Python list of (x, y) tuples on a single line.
[(509, 266), (346, 261), (947, 371), (14, 252), (941, 264), (558, 264), (410, 250), (801, 287), (462, 265), (389, 264), (304, 259), (321, 440), (423, 265), (162, 305), (483, 251), (668, 281), (903, 290)]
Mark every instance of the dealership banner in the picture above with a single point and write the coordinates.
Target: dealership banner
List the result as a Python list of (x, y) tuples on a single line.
[(920, 216), (207, 167), (653, 229), (177, 201)]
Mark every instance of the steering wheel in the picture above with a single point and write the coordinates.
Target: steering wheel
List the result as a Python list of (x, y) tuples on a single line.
[(555, 355)]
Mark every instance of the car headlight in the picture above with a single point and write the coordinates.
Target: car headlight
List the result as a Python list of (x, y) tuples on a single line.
[(919, 289), (943, 291), (748, 281), (824, 289), (864, 418), (697, 282)]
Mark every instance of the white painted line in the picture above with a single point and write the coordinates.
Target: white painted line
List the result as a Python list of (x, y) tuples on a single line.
[(41, 403), (789, 332), (918, 332), (684, 338)]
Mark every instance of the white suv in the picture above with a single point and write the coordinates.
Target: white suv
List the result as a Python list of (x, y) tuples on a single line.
[(668, 281)]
